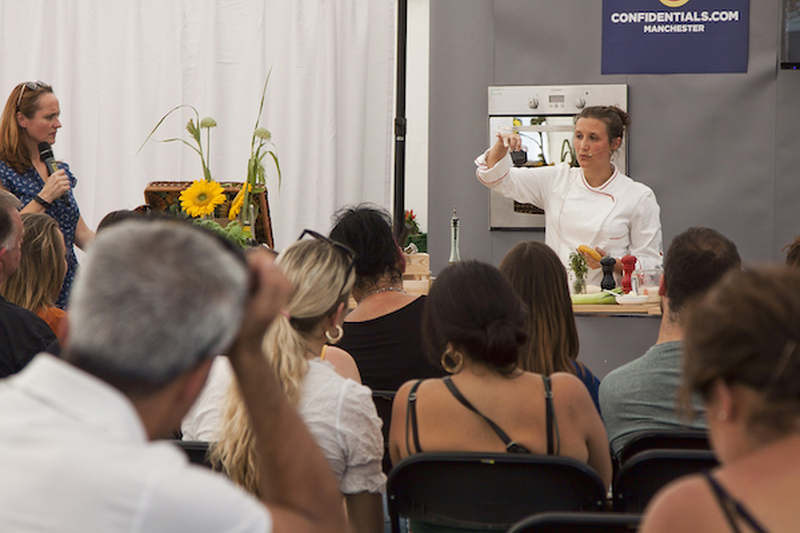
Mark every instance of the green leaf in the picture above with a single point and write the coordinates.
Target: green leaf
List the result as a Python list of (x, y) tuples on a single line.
[(163, 119), (277, 165)]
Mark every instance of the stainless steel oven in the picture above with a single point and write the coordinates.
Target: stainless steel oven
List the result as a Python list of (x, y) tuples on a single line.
[(544, 116)]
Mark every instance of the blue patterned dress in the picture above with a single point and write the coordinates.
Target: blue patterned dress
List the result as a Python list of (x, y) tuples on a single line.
[(25, 187)]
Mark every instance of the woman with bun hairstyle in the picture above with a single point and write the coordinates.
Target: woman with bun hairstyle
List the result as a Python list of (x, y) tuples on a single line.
[(36, 283), (474, 324), (540, 280), (742, 355), (593, 205)]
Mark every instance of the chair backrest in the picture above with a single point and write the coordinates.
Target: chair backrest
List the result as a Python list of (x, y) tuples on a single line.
[(645, 473), (488, 491), (572, 522), (195, 450), (383, 404), (665, 439)]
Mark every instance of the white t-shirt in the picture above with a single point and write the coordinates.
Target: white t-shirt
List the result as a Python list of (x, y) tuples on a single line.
[(74, 457), (338, 412)]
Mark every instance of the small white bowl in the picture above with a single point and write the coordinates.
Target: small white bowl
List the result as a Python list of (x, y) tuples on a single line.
[(624, 299)]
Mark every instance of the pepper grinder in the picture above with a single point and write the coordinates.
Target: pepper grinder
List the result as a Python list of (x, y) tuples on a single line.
[(608, 282), (628, 265)]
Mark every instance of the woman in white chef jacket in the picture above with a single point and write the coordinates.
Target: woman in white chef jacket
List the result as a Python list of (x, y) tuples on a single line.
[(595, 204)]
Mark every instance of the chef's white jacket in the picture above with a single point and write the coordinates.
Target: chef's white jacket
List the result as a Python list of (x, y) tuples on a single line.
[(621, 216)]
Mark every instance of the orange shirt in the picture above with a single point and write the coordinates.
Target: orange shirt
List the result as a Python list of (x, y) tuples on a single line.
[(56, 318)]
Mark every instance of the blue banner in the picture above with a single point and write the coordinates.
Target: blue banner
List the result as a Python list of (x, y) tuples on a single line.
[(675, 36)]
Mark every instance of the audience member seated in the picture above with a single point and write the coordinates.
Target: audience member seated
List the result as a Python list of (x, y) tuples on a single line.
[(640, 395), (743, 358), (120, 215), (383, 332), (540, 280), (475, 323), (112, 218), (22, 333), (338, 411), (37, 281), (151, 306), (793, 253)]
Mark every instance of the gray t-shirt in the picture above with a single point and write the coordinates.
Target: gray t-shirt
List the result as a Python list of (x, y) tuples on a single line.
[(642, 395)]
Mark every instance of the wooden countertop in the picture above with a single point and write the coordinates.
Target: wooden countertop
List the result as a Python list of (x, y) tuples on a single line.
[(645, 309)]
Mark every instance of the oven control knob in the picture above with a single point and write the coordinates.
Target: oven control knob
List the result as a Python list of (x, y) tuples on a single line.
[(533, 103), (580, 103)]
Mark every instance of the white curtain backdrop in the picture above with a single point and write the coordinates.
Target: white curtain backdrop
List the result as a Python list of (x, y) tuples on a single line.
[(117, 66)]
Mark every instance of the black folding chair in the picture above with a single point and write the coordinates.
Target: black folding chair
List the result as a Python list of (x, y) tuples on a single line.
[(383, 404), (578, 523), (664, 439), (488, 491), (195, 450), (647, 472)]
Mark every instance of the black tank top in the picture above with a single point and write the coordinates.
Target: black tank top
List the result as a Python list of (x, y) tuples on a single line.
[(553, 441)]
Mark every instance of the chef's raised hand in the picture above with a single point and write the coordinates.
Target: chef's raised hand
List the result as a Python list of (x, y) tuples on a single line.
[(504, 143), (592, 257), (593, 263)]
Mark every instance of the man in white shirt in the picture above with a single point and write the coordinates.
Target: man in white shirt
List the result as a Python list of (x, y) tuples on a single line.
[(152, 306)]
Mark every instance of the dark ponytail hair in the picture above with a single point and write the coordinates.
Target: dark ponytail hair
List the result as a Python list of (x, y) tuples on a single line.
[(473, 307)]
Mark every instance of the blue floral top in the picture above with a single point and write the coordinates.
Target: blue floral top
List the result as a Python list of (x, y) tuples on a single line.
[(25, 187)]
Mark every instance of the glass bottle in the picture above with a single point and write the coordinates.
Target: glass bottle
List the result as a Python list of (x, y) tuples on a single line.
[(455, 254)]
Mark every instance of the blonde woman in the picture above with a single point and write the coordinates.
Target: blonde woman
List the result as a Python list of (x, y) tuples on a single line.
[(37, 281), (338, 411)]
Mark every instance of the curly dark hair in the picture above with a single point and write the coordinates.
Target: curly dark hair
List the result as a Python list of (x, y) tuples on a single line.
[(367, 229)]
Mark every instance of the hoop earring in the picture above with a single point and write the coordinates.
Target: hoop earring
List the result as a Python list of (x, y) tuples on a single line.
[(337, 338), (452, 361)]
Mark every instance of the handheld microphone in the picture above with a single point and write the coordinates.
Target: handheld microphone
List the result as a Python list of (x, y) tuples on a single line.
[(46, 153)]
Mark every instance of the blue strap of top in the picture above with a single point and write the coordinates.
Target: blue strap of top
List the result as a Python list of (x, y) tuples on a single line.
[(731, 507)]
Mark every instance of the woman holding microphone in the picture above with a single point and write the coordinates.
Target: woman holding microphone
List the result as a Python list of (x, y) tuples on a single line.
[(594, 205), (31, 117)]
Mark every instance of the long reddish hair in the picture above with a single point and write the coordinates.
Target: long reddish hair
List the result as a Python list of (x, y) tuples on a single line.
[(12, 149)]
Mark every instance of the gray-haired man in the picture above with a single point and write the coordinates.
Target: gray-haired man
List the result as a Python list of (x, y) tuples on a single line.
[(154, 303)]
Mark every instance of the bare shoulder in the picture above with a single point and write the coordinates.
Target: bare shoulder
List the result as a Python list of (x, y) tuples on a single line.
[(568, 386), (684, 505), (343, 363)]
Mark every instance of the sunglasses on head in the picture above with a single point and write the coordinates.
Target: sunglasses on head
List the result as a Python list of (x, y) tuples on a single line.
[(31, 86), (346, 251)]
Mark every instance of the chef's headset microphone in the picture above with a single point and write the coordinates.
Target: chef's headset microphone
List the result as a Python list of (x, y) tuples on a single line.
[(49, 160), (591, 154)]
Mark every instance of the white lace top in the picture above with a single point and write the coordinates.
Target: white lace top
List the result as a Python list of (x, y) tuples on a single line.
[(339, 413)]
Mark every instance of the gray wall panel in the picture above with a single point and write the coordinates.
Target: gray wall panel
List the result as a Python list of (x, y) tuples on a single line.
[(461, 64), (719, 150)]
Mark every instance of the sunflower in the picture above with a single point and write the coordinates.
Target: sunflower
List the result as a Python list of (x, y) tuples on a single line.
[(202, 197), (238, 200)]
